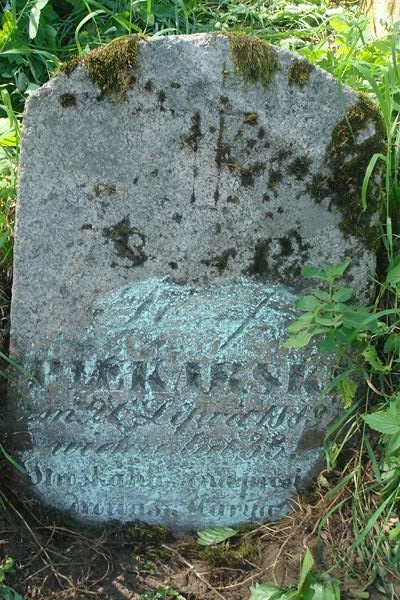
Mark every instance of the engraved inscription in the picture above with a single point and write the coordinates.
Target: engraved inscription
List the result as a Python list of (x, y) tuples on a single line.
[(137, 478), (138, 375), (157, 420)]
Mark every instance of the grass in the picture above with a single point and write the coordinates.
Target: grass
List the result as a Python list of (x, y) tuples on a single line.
[(372, 504), (35, 40)]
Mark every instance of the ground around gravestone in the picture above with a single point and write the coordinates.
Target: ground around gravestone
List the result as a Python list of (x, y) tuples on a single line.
[(60, 559)]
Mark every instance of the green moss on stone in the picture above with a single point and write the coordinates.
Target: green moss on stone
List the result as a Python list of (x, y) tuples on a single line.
[(222, 150), (67, 100), (300, 167), (221, 262), (239, 134), (248, 174), (223, 259), (69, 67), (128, 241), (275, 177), (99, 188), (225, 75), (193, 138), (110, 67), (161, 96), (253, 59), (347, 157), (299, 72), (233, 556), (344, 135), (251, 118), (260, 264)]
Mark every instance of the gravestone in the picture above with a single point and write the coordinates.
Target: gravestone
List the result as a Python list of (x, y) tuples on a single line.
[(169, 192)]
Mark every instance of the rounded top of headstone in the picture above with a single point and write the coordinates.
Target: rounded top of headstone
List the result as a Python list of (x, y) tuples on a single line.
[(202, 157)]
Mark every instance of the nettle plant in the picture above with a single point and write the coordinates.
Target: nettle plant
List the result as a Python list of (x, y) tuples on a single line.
[(311, 586), (366, 342), (387, 422), (7, 567), (363, 338)]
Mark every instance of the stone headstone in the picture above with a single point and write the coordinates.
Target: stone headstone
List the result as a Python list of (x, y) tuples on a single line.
[(170, 191)]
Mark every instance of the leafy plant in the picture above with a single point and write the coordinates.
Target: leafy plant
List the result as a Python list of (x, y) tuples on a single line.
[(7, 592), (365, 341), (323, 312), (9, 150), (349, 331), (11, 460), (216, 535), (387, 422), (311, 586), (27, 47), (163, 593)]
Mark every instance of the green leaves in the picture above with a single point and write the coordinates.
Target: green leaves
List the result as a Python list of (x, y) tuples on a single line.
[(326, 272), (299, 340), (342, 295), (386, 421), (308, 563), (339, 25), (324, 587), (162, 593), (347, 389), (266, 591), (7, 592), (349, 331), (34, 17), (323, 311), (312, 586), (393, 275), (382, 422), (319, 586), (6, 566), (308, 303), (215, 535), (13, 462), (370, 355)]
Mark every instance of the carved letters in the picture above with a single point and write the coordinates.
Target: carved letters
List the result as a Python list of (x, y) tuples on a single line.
[(115, 374), (152, 421)]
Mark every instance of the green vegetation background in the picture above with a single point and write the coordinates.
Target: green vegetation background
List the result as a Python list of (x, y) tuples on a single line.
[(38, 36)]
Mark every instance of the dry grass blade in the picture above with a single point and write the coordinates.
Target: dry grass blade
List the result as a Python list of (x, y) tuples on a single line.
[(200, 576)]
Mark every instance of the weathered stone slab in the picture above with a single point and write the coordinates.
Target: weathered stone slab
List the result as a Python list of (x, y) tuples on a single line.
[(161, 231)]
